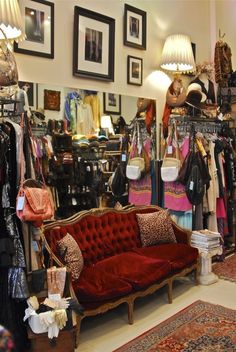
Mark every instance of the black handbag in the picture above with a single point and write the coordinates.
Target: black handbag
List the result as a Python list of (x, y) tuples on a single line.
[(118, 183)]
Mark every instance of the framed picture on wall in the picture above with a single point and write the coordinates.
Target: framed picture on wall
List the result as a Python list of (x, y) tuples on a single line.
[(93, 48), (31, 89), (134, 70), (135, 27), (38, 21), (52, 100), (112, 103)]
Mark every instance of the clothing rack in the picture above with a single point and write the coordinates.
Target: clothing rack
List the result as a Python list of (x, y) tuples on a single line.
[(39, 131), (6, 112), (204, 125)]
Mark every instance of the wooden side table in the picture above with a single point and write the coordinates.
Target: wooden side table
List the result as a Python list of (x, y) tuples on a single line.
[(207, 277)]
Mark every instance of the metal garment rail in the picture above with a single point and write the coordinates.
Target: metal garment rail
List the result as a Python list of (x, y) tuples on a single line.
[(204, 125)]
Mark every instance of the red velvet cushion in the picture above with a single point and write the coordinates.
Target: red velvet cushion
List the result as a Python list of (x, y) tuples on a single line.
[(95, 285), (139, 271), (179, 255)]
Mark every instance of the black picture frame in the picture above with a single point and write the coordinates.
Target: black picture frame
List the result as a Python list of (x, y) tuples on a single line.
[(93, 45), (134, 70), (135, 27), (112, 103), (31, 90), (38, 20)]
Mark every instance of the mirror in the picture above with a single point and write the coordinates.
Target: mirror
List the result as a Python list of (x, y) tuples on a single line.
[(51, 99)]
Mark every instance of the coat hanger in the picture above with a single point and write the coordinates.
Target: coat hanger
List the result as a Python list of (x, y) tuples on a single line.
[(221, 37)]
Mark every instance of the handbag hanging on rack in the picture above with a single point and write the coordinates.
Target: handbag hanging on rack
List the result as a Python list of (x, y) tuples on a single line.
[(34, 202), (139, 161), (171, 164)]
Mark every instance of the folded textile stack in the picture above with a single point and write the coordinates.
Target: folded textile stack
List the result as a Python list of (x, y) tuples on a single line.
[(205, 239)]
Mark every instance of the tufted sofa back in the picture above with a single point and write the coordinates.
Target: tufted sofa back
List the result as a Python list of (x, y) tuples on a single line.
[(99, 233)]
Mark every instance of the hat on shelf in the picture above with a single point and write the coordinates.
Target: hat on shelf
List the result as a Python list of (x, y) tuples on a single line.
[(195, 97), (39, 113)]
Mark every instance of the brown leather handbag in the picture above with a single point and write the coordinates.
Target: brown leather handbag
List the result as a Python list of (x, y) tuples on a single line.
[(34, 202)]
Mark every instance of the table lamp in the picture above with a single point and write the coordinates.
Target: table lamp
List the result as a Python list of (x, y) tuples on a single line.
[(11, 23), (177, 54), (106, 124), (11, 29)]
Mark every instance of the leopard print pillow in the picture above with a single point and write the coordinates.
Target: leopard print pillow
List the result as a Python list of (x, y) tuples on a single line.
[(155, 228), (71, 255)]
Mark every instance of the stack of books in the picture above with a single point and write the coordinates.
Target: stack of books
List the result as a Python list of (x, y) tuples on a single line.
[(205, 239)]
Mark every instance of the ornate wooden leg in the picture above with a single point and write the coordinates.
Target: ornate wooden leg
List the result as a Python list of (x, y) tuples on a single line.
[(170, 291), (196, 275), (131, 312), (78, 325)]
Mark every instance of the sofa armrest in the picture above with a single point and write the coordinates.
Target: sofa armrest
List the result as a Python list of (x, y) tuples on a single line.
[(182, 235)]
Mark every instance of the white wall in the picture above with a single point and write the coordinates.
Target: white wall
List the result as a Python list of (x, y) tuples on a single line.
[(164, 17)]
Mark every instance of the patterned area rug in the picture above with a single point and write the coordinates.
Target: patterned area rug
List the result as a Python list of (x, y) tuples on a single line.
[(201, 327), (227, 269)]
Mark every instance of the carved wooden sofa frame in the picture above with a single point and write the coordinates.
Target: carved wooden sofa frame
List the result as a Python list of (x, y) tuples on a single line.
[(130, 298)]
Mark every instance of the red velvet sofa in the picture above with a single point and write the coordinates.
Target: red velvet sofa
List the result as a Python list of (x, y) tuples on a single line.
[(117, 269)]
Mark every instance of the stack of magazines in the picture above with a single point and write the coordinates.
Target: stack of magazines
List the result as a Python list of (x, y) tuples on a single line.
[(205, 239)]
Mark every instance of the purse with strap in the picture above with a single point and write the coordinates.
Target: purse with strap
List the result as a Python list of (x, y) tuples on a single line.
[(135, 164), (34, 202), (171, 165), (138, 156)]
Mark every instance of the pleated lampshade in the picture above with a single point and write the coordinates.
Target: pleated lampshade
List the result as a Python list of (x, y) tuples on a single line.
[(177, 54), (11, 22)]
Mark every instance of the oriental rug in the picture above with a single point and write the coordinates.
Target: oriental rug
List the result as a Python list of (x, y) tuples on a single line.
[(201, 327), (227, 269)]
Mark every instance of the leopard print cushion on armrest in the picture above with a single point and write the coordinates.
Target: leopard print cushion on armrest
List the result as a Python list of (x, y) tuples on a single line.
[(71, 255)]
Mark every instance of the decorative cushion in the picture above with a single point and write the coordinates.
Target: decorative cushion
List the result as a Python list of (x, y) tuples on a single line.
[(179, 255), (95, 285), (137, 270), (156, 228), (71, 255)]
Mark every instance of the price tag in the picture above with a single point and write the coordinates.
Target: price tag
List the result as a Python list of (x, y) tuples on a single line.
[(191, 185), (20, 203), (169, 149), (123, 157), (74, 201), (54, 296)]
